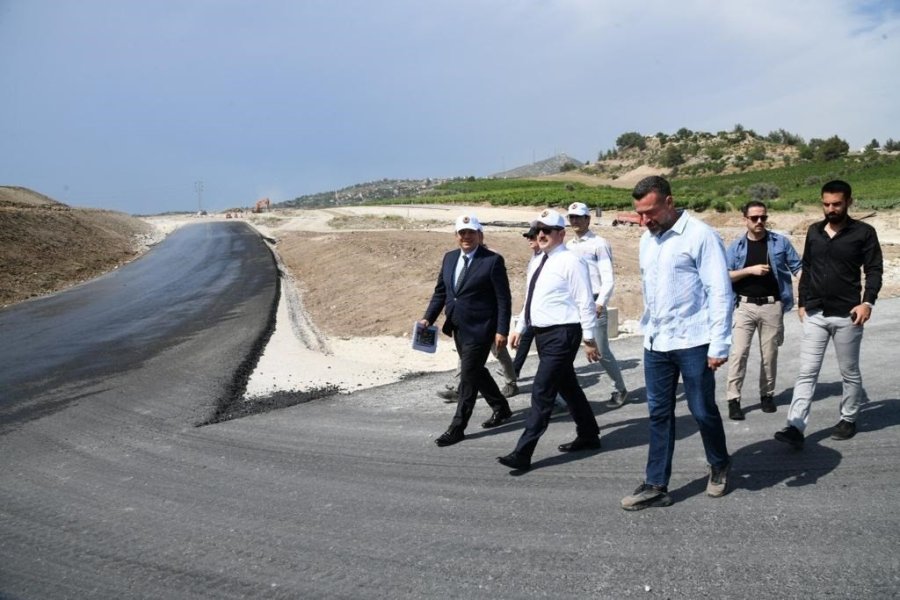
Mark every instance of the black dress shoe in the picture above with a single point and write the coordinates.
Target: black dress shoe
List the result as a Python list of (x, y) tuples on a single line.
[(515, 462), (498, 418), (454, 435), (580, 444)]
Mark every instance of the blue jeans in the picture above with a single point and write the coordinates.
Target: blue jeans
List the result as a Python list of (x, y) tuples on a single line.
[(661, 373)]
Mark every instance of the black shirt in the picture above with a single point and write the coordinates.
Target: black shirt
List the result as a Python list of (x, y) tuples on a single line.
[(831, 280), (757, 285)]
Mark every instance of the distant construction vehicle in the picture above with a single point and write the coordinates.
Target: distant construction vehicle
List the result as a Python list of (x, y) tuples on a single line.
[(262, 205)]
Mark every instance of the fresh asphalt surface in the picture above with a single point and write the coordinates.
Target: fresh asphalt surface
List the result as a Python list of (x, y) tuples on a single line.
[(108, 490)]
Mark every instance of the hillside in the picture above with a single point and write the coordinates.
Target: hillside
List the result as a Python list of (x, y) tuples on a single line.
[(719, 170), (46, 246)]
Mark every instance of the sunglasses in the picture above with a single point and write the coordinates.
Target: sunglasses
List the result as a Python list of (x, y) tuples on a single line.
[(546, 230), (756, 218)]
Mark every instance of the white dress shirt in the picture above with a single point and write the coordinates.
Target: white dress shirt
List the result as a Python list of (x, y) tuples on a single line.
[(595, 251), (562, 293), (687, 290)]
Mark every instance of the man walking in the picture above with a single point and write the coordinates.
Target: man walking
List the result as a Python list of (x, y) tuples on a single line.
[(687, 332), (834, 306), (559, 308), (473, 289), (596, 253), (760, 265)]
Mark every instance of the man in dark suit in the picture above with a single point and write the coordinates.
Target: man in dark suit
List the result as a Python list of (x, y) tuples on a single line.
[(473, 289)]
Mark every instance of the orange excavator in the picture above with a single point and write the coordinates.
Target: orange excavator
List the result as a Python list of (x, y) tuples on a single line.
[(262, 205)]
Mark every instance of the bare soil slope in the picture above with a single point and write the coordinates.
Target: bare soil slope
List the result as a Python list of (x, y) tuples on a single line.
[(46, 246), (369, 282)]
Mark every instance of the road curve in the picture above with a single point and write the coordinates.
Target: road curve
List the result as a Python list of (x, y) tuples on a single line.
[(209, 286), (117, 494)]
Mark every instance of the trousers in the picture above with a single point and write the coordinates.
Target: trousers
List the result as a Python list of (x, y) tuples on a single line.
[(817, 331), (557, 348), (661, 372), (768, 321), (474, 377), (607, 359)]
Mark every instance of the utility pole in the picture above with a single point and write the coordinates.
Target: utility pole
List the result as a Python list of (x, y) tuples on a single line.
[(198, 187)]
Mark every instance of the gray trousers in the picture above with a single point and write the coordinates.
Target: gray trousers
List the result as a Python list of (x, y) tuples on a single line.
[(817, 331), (607, 360)]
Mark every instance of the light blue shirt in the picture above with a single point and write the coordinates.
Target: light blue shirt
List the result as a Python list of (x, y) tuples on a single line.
[(687, 290), (783, 260)]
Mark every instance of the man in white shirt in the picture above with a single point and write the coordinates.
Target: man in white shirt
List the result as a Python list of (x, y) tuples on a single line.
[(687, 332), (596, 253), (559, 308)]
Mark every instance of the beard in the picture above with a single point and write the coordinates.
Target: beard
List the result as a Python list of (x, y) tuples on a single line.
[(836, 217)]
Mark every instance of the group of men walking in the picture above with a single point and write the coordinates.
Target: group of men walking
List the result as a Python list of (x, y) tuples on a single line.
[(702, 306)]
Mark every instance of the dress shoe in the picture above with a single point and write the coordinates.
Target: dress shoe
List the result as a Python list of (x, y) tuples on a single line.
[(498, 418), (580, 444), (735, 413), (454, 435), (515, 461)]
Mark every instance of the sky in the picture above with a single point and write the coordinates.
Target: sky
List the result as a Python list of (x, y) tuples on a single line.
[(148, 107)]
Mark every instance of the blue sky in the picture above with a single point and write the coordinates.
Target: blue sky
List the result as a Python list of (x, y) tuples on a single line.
[(126, 104)]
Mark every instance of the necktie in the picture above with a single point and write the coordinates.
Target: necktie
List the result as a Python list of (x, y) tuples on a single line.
[(531, 291), (462, 274)]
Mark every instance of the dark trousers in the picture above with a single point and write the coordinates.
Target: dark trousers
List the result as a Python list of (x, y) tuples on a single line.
[(557, 348), (522, 351), (473, 378)]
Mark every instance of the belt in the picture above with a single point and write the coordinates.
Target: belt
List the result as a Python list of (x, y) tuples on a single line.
[(759, 300), (539, 330)]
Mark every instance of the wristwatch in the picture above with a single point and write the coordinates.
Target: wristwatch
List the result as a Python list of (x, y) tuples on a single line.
[(590, 343)]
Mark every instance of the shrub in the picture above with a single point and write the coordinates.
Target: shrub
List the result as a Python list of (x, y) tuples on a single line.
[(763, 191), (832, 148), (672, 157), (631, 139), (714, 152), (757, 152)]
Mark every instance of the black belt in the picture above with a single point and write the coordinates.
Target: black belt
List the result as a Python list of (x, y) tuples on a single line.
[(539, 330), (759, 300)]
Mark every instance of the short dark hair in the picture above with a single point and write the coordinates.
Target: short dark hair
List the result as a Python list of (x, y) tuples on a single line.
[(836, 186), (746, 208), (653, 183)]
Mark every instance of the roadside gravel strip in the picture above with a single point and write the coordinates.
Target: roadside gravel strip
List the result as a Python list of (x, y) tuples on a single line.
[(235, 405)]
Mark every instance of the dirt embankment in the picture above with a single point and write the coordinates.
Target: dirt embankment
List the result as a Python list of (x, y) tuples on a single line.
[(368, 282), (46, 246)]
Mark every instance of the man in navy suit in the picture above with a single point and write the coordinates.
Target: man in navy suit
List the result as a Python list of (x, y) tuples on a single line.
[(473, 289)]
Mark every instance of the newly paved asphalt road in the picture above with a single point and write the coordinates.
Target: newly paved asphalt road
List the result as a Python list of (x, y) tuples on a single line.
[(115, 493)]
